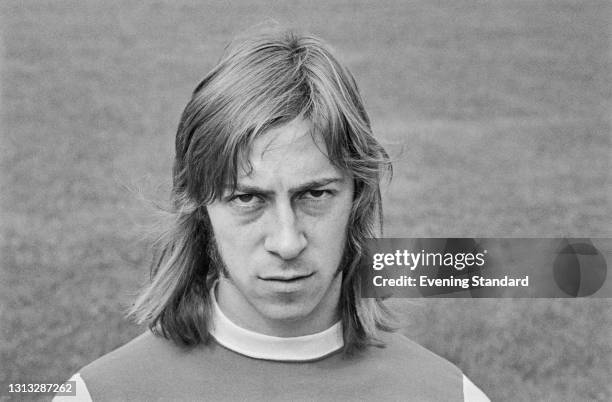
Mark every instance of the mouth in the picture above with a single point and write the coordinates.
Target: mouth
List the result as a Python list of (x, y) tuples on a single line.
[(286, 278)]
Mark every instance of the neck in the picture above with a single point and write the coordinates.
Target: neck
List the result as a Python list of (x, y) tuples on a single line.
[(261, 346)]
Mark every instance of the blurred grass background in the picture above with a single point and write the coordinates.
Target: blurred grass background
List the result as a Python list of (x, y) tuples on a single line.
[(496, 112)]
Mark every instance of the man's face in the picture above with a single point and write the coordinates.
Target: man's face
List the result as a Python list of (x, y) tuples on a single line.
[(281, 235)]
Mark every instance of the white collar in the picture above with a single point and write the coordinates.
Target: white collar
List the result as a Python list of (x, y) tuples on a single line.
[(260, 346)]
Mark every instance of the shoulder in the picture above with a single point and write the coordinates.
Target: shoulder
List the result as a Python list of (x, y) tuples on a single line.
[(402, 367), (133, 367), (144, 349), (400, 350), (430, 376)]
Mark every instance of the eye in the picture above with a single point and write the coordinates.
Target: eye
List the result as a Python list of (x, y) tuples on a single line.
[(246, 200), (317, 194)]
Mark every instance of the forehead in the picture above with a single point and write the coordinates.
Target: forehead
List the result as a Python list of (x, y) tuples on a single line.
[(289, 154)]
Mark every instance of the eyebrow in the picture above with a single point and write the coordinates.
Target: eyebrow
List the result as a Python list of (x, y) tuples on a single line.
[(302, 187)]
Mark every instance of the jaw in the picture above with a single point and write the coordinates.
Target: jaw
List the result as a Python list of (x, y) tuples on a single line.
[(285, 314)]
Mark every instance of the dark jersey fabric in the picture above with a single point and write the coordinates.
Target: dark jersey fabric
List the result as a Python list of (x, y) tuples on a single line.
[(153, 368)]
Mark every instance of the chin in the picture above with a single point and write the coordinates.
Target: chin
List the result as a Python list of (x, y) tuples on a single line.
[(286, 313)]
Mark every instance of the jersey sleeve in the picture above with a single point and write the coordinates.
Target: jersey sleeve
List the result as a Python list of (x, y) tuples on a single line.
[(471, 393), (82, 394)]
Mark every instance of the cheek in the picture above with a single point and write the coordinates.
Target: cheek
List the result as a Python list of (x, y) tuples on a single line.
[(225, 226), (328, 235), (225, 232), (342, 214)]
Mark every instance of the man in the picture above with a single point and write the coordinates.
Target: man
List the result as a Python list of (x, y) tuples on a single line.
[(254, 294)]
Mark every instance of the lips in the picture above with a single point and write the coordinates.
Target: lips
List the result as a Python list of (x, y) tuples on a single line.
[(286, 277)]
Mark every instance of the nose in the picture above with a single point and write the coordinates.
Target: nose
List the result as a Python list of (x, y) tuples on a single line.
[(285, 238)]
